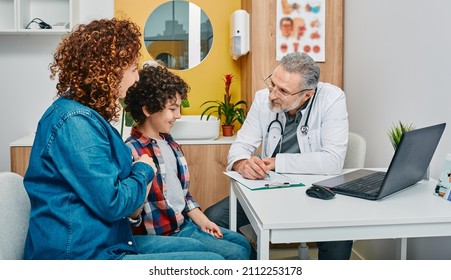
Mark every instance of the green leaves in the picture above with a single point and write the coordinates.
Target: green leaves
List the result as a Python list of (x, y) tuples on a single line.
[(396, 132), (185, 103), (231, 112), (226, 110), (126, 119)]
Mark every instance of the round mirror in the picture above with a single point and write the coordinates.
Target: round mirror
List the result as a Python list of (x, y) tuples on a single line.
[(179, 33)]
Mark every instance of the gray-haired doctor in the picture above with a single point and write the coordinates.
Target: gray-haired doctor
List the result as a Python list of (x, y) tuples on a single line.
[(302, 125)]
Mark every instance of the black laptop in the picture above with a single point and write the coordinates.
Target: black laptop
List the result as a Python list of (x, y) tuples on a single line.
[(407, 167)]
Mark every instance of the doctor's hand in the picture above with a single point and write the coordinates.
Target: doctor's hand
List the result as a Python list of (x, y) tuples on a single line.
[(254, 168)]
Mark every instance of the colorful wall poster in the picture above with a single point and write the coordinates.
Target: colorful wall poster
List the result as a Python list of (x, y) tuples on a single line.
[(301, 27)]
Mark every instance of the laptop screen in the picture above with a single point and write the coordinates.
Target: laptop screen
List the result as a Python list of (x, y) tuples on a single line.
[(412, 158)]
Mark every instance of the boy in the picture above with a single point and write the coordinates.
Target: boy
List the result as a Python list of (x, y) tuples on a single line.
[(154, 103)]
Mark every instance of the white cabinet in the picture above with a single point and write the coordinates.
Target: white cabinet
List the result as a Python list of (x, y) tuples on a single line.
[(7, 15), (16, 15)]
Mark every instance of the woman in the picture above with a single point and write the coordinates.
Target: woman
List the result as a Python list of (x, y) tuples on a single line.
[(83, 187)]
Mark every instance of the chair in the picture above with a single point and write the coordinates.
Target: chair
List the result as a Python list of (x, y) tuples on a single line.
[(355, 155), (355, 158), (14, 216)]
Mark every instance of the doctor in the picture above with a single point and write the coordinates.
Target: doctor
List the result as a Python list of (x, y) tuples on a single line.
[(302, 125)]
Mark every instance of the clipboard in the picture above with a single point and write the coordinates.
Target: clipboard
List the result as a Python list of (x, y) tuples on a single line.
[(275, 181)]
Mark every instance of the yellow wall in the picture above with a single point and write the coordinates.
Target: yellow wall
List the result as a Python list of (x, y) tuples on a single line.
[(205, 79)]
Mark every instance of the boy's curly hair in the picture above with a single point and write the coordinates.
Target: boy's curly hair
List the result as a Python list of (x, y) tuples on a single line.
[(90, 61), (156, 86)]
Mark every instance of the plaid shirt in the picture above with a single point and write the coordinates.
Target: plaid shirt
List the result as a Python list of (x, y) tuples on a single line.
[(158, 216)]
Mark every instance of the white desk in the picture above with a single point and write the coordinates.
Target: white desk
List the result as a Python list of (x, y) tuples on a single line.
[(289, 215)]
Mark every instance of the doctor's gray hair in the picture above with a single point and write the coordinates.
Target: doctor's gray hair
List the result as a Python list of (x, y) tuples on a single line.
[(303, 64)]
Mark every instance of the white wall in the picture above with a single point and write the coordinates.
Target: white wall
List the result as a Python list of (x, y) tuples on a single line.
[(25, 87), (96, 9), (397, 65)]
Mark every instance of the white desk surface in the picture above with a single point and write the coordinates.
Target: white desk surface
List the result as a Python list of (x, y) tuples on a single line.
[(289, 215)]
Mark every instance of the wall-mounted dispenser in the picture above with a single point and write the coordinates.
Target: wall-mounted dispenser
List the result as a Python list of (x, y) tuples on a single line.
[(239, 33)]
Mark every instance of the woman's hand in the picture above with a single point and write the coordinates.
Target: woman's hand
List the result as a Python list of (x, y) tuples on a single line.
[(147, 160)]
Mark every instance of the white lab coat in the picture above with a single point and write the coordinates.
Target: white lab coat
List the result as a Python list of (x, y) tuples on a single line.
[(323, 149)]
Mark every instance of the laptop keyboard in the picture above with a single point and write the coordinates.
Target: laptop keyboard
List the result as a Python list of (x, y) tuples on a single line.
[(368, 184)]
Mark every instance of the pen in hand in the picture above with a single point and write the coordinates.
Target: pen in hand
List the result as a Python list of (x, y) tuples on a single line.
[(267, 174)]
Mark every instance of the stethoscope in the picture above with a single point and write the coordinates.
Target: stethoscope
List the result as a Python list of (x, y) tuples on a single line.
[(304, 128)]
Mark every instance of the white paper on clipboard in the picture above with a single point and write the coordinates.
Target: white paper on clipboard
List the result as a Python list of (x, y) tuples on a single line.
[(276, 180)]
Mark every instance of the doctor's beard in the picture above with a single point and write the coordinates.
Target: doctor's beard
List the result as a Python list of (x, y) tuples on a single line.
[(280, 108)]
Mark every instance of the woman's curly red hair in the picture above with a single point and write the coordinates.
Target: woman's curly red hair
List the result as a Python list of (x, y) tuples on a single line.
[(90, 62)]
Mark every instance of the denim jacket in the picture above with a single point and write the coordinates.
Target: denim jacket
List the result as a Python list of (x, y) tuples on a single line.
[(82, 185)]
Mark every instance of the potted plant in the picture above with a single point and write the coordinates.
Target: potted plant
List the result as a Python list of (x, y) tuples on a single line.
[(396, 132), (226, 110)]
